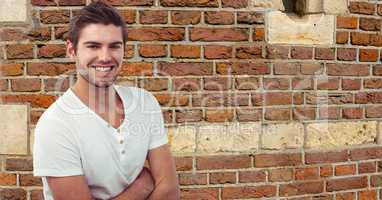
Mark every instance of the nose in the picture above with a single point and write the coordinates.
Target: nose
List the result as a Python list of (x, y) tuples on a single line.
[(104, 55)]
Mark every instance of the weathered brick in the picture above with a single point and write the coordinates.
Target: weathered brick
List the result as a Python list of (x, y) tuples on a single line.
[(223, 162), (377, 70), (376, 40), (277, 98), (26, 85), (250, 17), (352, 113), (185, 17), (326, 171), (372, 83), (280, 175), (19, 51), (342, 37), (346, 54), (249, 192), (18, 164), (43, 2), (128, 16), (362, 8), (347, 169), (311, 68), (54, 16), (52, 51), (368, 55), (182, 116), (351, 84), (186, 84), (193, 179), (328, 83), (217, 83), (71, 2), (8, 179), (199, 193), (128, 51), (346, 196), (348, 22), (373, 111), (152, 50), (366, 153), (242, 68), (138, 2), (40, 34), (368, 97), (184, 69), (61, 33), (277, 114), (346, 183), (376, 181), (367, 167), (222, 177), (360, 38), (29, 180), (185, 51), (278, 160), (183, 163), (219, 34), (324, 53), (155, 34), (219, 115), (13, 194), (366, 195), (325, 157), (136, 69), (259, 34), (153, 17), (302, 83), (11, 69), (276, 83), (56, 85), (293, 189), (301, 52), (309, 173), (49, 69), (248, 115), (250, 52), (252, 176), (247, 83), (370, 24), (171, 100), (190, 3), (9, 34), (154, 84), (326, 112), (286, 68), (235, 3), (304, 113), (277, 52), (219, 17), (347, 69), (217, 52)]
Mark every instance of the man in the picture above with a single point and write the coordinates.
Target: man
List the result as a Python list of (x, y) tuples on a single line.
[(92, 143)]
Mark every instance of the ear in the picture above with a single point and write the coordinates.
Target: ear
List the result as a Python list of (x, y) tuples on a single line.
[(70, 49)]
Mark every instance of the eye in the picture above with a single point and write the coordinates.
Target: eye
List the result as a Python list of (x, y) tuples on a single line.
[(92, 47), (116, 46)]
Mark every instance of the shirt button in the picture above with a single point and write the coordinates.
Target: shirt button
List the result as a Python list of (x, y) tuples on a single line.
[(119, 130), (121, 142), (123, 152)]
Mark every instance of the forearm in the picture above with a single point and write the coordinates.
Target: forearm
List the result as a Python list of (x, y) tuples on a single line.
[(165, 192), (131, 193)]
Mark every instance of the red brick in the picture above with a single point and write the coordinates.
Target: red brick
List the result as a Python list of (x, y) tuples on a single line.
[(37, 195), (352, 113), (370, 24), (286, 68), (49, 69), (242, 68), (301, 52), (250, 17), (219, 115), (223, 162), (193, 179), (136, 69), (360, 38), (368, 97), (377, 70), (379, 10), (186, 84), (302, 83), (11, 69), (280, 175), (326, 112), (252, 176), (154, 84), (249, 192), (183, 163), (217, 83), (60, 84), (235, 3), (367, 195), (342, 37), (36, 101), (373, 111), (8, 179), (184, 69), (153, 17), (277, 52), (219, 34), (276, 83), (9, 34), (325, 157), (29, 180), (366, 153), (346, 54), (156, 34), (277, 98), (328, 83), (41, 34), (219, 17), (250, 52), (172, 100), (351, 84), (248, 115), (61, 33), (54, 16), (311, 68), (304, 113), (189, 3), (326, 171), (152, 50), (277, 114), (258, 34), (18, 164), (362, 8), (188, 116), (376, 180), (138, 2), (293, 189), (373, 83), (240, 99), (128, 16), (43, 2), (199, 193), (368, 55), (367, 167), (278, 160), (347, 169), (375, 40), (211, 100), (13, 194), (217, 52), (346, 196), (340, 98), (347, 22), (21, 51), (52, 51), (346, 183), (309, 173), (222, 177), (185, 17), (324, 54), (247, 83), (347, 70), (26, 85), (185, 51), (71, 2), (129, 51), (3, 85)]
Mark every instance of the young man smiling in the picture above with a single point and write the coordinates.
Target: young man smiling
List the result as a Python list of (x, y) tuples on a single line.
[(92, 143)]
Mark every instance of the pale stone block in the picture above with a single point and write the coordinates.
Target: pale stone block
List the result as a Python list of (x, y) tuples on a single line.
[(233, 137), (315, 29), (13, 11), (335, 7), (340, 134), (314, 6), (270, 4), (14, 129), (182, 139), (31, 139), (283, 136)]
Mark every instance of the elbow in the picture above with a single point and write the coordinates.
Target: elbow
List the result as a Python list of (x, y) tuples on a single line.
[(166, 192)]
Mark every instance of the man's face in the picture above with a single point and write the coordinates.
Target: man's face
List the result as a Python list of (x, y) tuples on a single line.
[(99, 54)]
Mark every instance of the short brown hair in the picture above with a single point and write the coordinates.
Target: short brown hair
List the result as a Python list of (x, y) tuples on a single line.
[(95, 13)]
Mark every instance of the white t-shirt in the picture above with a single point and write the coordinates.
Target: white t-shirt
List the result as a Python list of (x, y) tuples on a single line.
[(71, 139)]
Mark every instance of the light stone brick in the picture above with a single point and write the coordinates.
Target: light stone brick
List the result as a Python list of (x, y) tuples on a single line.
[(233, 137), (340, 134), (14, 129), (336, 7), (182, 139), (317, 29), (270, 4), (283, 136), (31, 139), (13, 11)]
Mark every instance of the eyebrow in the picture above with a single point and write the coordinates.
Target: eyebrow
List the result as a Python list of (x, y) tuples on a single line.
[(98, 43)]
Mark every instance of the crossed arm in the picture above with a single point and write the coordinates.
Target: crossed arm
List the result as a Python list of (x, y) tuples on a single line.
[(160, 184)]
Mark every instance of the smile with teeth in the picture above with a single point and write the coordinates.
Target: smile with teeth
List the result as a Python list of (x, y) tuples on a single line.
[(103, 68)]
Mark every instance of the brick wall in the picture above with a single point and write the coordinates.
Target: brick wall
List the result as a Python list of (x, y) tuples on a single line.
[(208, 63)]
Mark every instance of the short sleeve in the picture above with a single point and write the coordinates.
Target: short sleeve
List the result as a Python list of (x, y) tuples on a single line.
[(55, 152), (158, 134)]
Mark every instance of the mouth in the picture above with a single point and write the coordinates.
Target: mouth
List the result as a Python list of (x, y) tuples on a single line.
[(103, 68)]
